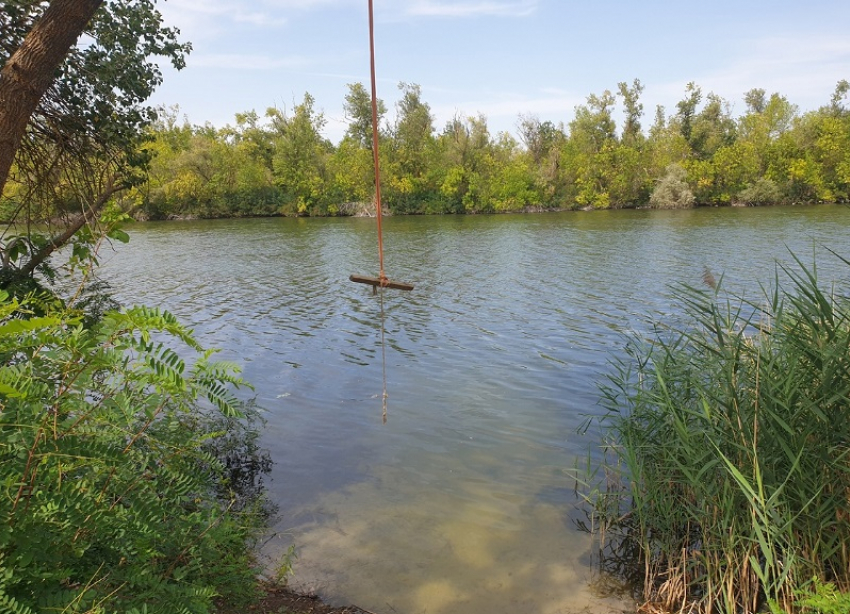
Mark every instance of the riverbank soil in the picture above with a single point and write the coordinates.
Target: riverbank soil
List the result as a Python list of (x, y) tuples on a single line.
[(281, 600)]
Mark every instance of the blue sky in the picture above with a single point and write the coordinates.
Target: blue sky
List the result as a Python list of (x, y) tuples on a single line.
[(500, 58)]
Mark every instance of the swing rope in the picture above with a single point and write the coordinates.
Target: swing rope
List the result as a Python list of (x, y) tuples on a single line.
[(381, 282), (384, 395), (378, 207), (375, 157)]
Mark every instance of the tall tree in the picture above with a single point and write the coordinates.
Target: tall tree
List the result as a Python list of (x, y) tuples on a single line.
[(414, 126), (30, 70), (713, 127), (755, 100), (465, 153), (593, 141), (410, 149), (301, 155), (633, 110), (687, 109), (72, 115), (836, 103), (358, 111), (538, 137)]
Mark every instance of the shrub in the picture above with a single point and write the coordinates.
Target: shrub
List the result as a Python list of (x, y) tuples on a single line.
[(109, 494), (823, 598), (762, 192), (672, 191)]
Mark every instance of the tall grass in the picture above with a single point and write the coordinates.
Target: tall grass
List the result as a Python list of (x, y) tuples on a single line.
[(729, 437)]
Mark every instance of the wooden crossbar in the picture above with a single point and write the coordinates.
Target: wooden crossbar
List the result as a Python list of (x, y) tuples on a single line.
[(377, 282)]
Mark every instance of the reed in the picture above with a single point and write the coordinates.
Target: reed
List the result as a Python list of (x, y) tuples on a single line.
[(730, 434)]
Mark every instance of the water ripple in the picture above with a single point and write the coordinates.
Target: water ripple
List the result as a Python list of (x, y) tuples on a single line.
[(492, 365)]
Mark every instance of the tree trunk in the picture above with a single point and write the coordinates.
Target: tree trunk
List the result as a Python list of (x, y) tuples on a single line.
[(29, 72)]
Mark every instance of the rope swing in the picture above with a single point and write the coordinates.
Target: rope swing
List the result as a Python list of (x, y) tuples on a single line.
[(381, 281)]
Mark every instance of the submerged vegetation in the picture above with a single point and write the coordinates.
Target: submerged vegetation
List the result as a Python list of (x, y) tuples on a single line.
[(728, 470)]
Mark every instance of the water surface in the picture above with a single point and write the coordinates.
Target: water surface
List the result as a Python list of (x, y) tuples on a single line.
[(463, 501)]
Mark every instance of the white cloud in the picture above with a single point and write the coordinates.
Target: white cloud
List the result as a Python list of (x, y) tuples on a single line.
[(802, 68), (441, 8), (202, 19)]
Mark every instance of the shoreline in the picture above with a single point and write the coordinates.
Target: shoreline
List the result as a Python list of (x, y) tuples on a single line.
[(524, 211), (280, 599)]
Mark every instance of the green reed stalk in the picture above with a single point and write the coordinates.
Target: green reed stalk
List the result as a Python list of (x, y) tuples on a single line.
[(732, 433)]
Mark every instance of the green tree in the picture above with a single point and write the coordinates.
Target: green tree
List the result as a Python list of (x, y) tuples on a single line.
[(632, 134), (160, 196), (543, 142), (735, 167), (765, 130), (81, 107), (37, 39), (755, 101), (351, 179), (836, 103), (358, 111), (409, 151), (665, 145), (539, 138), (251, 155), (300, 156), (593, 140), (351, 173), (467, 155), (687, 110), (712, 128)]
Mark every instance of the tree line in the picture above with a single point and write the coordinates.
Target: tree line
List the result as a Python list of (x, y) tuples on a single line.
[(699, 154)]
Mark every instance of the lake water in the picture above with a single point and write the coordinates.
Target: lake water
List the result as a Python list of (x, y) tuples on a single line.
[(463, 501)]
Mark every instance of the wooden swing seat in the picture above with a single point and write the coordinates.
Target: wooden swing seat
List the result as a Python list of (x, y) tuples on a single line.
[(377, 282)]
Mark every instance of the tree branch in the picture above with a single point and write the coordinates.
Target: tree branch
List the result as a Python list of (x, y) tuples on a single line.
[(28, 73), (87, 216)]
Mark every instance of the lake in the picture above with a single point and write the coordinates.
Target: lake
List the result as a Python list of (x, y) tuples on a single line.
[(464, 500)]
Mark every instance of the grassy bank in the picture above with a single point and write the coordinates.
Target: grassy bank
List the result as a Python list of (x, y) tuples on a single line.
[(727, 453)]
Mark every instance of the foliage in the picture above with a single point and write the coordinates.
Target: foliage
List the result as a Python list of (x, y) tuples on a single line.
[(824, 598), (673, 190), (113, 493), (83, 142), (102, 85), (283, 166), (762, 192), (729, 442)]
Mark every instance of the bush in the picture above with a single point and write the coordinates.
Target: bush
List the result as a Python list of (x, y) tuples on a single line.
[(111, 497), (731, 442), (762, 192), (672, 191)]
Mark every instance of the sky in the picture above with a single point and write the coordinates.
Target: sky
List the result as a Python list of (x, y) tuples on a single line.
[(502, 59)]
